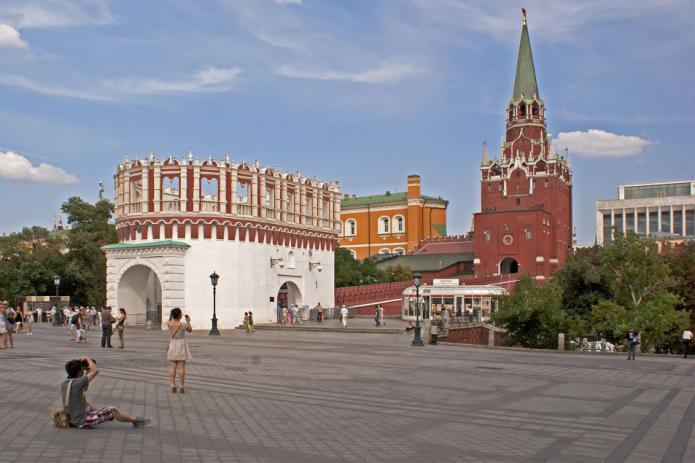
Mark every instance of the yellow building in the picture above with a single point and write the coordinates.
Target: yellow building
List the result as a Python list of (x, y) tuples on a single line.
[(392, 223)]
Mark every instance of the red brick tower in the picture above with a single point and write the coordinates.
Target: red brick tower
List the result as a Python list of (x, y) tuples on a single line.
[(525, 222)]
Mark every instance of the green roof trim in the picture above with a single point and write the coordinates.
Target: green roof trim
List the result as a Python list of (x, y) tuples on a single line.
[(525, 81), (441, 229), (146, 245), (387, 198)]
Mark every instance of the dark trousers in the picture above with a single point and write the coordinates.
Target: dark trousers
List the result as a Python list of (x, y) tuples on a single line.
[(106, 333), (632, 347), (686, 347)]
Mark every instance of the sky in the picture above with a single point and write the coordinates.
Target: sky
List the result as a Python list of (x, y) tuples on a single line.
[(364, 92)]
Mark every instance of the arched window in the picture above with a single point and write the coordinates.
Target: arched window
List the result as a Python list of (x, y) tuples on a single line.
[(385, 251), (399, 251), (399, 224), (528, 233), (291, 261), (384, 225), (522, 109), (354, 253), (488, 235), (351, 227), (509, 265)]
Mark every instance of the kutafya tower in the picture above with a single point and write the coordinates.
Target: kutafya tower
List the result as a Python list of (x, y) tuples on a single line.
[(525, 222)]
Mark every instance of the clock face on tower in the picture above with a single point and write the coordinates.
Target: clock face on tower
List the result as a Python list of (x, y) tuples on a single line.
[(508, 239)]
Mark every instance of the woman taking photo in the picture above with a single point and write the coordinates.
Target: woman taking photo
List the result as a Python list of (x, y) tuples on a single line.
[(178, 353), (120, 327)]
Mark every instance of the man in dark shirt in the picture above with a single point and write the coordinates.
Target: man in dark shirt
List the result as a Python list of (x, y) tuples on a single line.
[(632, 339), (106, 327), (84, 415)]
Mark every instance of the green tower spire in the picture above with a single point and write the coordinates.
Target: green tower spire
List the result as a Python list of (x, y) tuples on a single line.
[(525, 81)]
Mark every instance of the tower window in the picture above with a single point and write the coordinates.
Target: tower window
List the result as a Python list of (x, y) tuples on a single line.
[(384, 225), (489, 188), (499, 187), (528, 233), (351, 227), (518, 201), (545, 185), (488, 235)]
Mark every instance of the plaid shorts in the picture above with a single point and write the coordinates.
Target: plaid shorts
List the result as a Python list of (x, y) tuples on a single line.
[(91, 419)]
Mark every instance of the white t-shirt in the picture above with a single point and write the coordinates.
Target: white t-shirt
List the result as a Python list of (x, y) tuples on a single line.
[(687, 334), (344, 311)]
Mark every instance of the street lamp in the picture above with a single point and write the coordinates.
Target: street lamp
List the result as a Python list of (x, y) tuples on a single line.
[(417, 280), (213, 278), (58, 318)]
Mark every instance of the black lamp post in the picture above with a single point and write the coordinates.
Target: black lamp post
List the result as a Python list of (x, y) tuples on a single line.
[(417, 280), (213, 278), (58, 318)]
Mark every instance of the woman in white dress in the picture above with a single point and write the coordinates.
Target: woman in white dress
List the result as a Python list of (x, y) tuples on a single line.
[(178, 353)]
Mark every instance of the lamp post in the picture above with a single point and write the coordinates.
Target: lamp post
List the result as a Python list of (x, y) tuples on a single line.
[(417, 280), (58, 318), (213, 278)]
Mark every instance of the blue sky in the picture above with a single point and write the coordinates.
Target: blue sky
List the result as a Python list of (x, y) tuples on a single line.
[(360, 91)]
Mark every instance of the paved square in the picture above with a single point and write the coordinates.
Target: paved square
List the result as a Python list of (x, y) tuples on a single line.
[(292, 396)]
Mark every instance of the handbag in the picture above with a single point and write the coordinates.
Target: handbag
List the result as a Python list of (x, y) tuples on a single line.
[(61, 417)]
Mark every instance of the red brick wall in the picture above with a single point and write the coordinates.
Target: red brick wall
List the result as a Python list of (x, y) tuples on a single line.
[(477, 335), (372, 294)]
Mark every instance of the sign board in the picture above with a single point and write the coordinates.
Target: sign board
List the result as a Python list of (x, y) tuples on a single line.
[(445, 282)]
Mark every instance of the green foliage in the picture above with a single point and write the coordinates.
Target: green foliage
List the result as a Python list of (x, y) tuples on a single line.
[(84, 275), (352, 272), (603, 291), (533, 314), (29, 259)]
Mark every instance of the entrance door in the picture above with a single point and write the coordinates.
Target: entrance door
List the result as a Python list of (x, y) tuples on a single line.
[(140, 294)]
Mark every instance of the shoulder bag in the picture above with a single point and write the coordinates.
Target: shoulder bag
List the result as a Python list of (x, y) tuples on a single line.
[(61, 417)]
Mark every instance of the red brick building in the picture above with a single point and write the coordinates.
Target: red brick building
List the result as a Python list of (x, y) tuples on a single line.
[(525, 222)]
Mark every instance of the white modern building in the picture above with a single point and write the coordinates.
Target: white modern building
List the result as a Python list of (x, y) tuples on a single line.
[(663, 210), (268, 234)]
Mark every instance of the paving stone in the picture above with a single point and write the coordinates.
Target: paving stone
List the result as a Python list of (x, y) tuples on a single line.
[(310, 396)]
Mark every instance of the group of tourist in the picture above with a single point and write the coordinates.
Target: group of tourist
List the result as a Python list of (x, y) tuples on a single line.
[(248, 322), (290, 315), (12, 322)]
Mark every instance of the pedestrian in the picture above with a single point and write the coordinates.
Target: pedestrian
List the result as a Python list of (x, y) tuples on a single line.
[(93, 313), (19, 320), (120, 327), (295, 315), (343, 316), (284, 315), (66, 315), (39, 315), (246, 323), (687, 337), (52, 314), (178, 352), (106, 327), (3, 328), (290, 315), (253, 330), (82, 414), (632, 339), (29, 322), (319, 312), (10, 327), (74, 325)]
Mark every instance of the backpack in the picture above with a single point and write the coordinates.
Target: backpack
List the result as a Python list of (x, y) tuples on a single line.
[(74, 318)]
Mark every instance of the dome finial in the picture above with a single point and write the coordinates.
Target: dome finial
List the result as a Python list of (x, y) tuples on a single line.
[(523, 16)]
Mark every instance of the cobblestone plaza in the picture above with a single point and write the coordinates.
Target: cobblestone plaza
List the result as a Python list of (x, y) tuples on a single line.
[(293, 396)]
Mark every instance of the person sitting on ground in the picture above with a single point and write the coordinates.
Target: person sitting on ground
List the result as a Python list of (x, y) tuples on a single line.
[(410, 327), (82, 414)]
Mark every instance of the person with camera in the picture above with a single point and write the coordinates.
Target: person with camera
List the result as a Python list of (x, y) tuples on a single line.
[(81, 413), (178, 352)]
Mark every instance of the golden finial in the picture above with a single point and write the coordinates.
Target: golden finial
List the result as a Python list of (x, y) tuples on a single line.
[(523, 16)]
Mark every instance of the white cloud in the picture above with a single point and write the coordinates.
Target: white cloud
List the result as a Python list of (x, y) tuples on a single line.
[(55, 13), (289, 2), (210, 79), (9, 37), (599, 143), (50, 89), (381, 74), (14, 166)]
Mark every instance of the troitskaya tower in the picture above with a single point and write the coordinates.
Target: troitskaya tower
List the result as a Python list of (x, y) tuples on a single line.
[(525, 222)]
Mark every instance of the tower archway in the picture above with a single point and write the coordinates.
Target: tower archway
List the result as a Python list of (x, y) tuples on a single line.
[(140, 294), (288, 294), (509, 265)]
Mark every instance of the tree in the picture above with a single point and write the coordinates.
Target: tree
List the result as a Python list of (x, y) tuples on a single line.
[(583, 282), (533, 314), (640, 292), (85, 272), (398, 272), (682, 265), (352, 272)]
